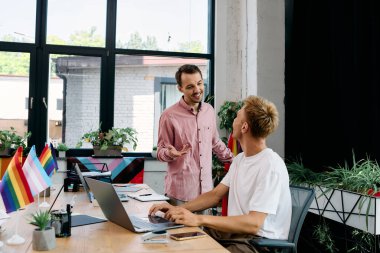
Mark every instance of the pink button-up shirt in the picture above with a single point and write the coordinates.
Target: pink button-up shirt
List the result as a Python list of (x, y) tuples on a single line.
[(190, 175)]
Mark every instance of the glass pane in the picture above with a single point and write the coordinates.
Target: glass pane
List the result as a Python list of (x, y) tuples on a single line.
[(74, 97), (18, 21), (141, 88), (84, 26), (166, 25), (14, 95)]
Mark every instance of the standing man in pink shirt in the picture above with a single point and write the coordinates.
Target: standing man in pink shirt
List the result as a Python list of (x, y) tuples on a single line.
[(187, 137)]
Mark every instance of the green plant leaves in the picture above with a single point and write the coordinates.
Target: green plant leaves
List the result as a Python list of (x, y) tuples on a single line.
[(113, 137), (41, 219), (10, 139), (227, 114)]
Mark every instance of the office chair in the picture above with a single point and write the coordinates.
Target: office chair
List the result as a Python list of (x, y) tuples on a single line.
[(301, 201)]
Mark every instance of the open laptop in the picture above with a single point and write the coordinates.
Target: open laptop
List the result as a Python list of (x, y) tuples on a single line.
[(115, 212), (123, 196)]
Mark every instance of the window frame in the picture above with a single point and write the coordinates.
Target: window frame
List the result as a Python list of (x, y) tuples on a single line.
[(39, 67)]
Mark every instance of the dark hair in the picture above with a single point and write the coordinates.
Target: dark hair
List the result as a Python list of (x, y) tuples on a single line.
[(188, 69)]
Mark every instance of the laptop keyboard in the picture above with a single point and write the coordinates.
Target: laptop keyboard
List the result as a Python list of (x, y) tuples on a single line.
[(139, 223)]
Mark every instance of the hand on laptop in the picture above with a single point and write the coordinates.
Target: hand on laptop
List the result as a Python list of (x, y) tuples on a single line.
[(183, 216), (164, 207), (177, 214)]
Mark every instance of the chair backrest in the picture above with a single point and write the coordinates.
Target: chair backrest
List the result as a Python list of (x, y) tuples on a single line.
[(301, 201)]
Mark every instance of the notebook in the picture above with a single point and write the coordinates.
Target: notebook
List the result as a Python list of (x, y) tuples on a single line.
[(126, 188), (148, 197), (123, 197), (115, 212)]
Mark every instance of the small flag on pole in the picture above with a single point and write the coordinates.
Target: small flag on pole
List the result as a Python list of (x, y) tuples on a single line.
[(35, 174), (47, 161), (54, 156), (14, 187)]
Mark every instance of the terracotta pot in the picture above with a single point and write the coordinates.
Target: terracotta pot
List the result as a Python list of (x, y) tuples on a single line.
[(5, 152), (110, 151), (44, 239)]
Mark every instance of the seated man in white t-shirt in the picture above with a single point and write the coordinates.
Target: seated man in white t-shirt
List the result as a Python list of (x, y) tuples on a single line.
[(257, 184)]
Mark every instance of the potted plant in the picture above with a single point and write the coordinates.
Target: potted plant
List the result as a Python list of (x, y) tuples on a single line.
[(227, 114), (9, 139), (62, 148), (154, 152), (44, 235), (344, 190), (346, 194), (110, 142)]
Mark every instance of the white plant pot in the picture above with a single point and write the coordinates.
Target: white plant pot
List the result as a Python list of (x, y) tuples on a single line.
[(154, 154), (344, 207), (44, 239), (62, 153)]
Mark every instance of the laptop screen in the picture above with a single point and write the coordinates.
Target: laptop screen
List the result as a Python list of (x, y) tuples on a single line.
[(83, 182), (115, 212)]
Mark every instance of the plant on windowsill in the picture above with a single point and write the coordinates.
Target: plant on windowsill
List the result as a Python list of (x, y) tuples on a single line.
[(10, 140), (44, 235), (344, 189), (62, 148), (154, 152), (112, 142)]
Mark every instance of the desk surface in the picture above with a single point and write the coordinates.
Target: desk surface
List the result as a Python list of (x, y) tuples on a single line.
[(102, 237)]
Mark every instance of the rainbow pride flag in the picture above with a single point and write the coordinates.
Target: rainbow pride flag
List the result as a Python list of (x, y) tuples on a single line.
[(234, 145), (54, 156), (14, 187), (47, 161), (35, 174)]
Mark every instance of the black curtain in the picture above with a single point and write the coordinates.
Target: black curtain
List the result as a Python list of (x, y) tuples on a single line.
[(332, 78)]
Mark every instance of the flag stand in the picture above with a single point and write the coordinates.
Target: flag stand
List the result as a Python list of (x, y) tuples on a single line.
[(44, 203), (3, 215), (16, 239)]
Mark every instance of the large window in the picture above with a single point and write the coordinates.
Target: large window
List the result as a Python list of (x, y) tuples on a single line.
[(77, 23), (17, 21), (144, 87), (165, 25), (14, 95), (68, 67), (76, 81)]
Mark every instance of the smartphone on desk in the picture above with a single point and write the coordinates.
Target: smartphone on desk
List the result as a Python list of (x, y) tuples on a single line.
[(187, 236)]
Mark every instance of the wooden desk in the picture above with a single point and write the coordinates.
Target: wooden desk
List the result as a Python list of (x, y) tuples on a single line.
[(105, 237)]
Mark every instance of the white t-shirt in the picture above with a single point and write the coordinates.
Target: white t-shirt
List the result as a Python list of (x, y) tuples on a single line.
[(261, 183)]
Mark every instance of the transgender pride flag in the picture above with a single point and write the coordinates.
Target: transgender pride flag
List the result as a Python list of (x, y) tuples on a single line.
[(47, 161), (14, 187), (35, 174)]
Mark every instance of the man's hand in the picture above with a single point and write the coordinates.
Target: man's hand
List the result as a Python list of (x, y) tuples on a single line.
[(183, 216), (174, 153), (164, 207)]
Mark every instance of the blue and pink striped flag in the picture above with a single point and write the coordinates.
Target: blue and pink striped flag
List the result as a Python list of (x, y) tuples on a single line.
[(47, 161), (14, 187), (35, 174)]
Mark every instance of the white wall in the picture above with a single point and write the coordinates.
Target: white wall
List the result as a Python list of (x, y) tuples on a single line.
[(250, 55)]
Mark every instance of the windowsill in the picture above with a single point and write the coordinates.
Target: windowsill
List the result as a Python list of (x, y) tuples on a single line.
[(85, 152)]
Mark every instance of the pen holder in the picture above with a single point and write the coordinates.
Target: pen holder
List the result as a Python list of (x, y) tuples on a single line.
[(61, 221)]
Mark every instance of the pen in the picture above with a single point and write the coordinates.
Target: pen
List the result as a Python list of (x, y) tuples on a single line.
[(148, 194)]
